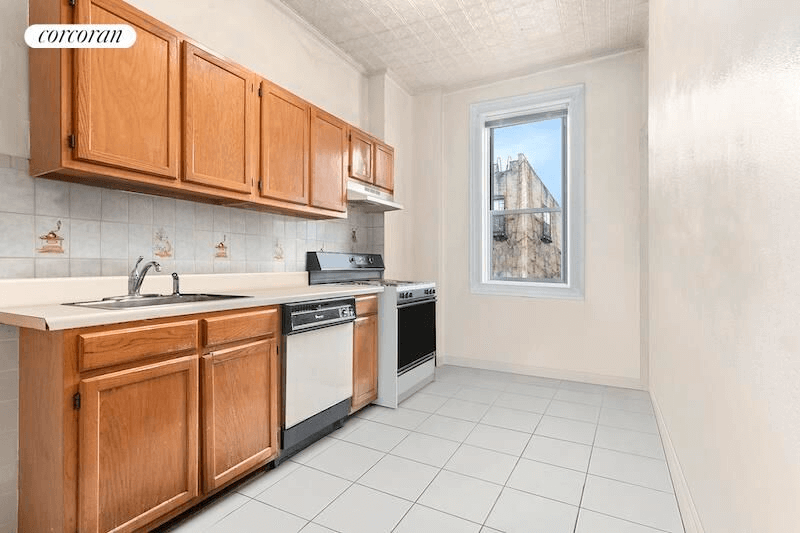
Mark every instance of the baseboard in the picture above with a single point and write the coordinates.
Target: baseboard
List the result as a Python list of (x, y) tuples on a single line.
[(500, 366), (689, 515)]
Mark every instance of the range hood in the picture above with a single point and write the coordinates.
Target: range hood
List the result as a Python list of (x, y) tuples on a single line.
[(370, 198)]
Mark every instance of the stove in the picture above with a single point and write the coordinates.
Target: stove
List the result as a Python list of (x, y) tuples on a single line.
[(406, 317)]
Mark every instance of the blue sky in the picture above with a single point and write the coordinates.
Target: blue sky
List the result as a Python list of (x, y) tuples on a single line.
[(541, 144)]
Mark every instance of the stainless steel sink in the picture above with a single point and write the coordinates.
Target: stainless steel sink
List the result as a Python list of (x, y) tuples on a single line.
[(147, 300)]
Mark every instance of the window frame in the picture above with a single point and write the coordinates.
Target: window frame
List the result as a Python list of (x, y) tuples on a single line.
[(481, 234)]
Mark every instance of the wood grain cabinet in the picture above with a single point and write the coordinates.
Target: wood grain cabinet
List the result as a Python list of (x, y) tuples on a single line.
[(365, 352), (123, 427), (219, 137), (138, 444), (384, 166), (284, 145), (371, 160), (119, 113), (240, 395), (141, 96), (169, 117), (361, 147), (328, 161)]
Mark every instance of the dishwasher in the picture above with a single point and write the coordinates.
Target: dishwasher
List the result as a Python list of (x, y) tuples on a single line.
[(318, 369)]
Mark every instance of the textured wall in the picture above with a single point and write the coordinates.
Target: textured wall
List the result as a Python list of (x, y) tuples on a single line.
[(724, 249)]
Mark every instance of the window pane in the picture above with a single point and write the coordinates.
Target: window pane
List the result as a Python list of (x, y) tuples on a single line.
[(527, 170), (527, 247)]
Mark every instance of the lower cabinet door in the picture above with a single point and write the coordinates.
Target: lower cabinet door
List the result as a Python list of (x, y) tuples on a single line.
[(240, 410), (365, 361), (138, 445)]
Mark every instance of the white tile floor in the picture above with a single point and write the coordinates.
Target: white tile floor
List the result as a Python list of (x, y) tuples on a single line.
[(475, 451)]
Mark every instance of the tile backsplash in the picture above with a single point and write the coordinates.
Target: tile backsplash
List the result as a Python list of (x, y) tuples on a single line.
[(51, 228)]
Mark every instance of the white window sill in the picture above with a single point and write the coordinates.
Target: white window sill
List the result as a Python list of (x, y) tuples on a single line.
[(553, 291)]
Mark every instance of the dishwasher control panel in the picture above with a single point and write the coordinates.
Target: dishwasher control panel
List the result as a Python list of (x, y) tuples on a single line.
[(307, 316)]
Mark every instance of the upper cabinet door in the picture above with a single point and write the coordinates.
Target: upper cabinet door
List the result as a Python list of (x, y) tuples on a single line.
[(384, 166), (361, 147), (284, 145), (328, 161), (127, 100), (218, 130)]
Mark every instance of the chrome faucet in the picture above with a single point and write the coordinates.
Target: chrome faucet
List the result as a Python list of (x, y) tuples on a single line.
[(136, 277)]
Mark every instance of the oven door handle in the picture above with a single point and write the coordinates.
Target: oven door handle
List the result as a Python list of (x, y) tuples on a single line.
[(417, 302)]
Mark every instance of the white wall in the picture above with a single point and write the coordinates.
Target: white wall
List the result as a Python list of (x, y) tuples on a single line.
[(724, 252), (14, 117), (398, 131), (598, 338)]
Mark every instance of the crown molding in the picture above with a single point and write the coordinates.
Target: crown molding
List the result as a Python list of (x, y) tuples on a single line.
[(321, 37), (538, 69), (389, 73)]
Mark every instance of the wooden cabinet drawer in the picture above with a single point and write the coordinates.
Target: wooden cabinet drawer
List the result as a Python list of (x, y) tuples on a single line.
[(117, 346), (231, 328), (366, 305)]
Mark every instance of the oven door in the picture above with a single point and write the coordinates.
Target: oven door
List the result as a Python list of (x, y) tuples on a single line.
[(416, 334)]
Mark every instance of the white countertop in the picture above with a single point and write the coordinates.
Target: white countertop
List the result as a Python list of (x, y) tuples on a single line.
[(60, 317)]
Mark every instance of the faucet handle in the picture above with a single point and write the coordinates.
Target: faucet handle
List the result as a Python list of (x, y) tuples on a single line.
[(157, 266), (136, 264), (176, 284)]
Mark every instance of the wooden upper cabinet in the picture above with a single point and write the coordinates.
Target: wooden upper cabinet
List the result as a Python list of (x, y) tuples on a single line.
[(284, 145), (127, 100), (138, 443), (240, 410), (384, 166), (219, 137), (328, 161), (361, 148)]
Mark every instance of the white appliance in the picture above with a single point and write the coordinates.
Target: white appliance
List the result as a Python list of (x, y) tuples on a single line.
[(406, 338), (406, 318), (318, 368), (319, 371)]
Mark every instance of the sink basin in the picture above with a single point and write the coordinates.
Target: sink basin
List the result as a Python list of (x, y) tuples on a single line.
[(147, 300)]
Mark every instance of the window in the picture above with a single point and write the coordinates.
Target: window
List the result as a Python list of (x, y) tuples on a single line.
[(499, 223), (526, 195)]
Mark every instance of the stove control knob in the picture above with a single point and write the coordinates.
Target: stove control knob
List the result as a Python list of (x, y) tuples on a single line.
[(371, 260), (352, 259)]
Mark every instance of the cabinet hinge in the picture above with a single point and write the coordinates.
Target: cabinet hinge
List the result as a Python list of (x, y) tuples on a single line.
[(76, 401), (260, 92), (71, 140), (259, 184), (72, 3)]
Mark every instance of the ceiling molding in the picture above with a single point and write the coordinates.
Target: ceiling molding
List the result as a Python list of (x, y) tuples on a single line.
[(389, 73), (549, 67), (321, 37)]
